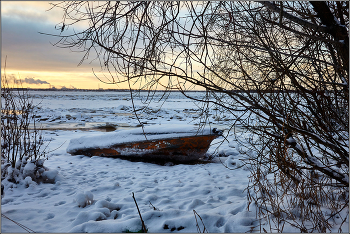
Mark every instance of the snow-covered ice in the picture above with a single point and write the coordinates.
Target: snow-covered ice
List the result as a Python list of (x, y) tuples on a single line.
[(94, 194)]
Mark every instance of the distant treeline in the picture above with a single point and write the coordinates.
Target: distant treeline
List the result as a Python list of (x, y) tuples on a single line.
[(127, 90), (66, 89), (93, 90)]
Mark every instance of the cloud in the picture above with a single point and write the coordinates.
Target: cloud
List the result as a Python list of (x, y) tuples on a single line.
[(33, 11), (12, 79), (33, 81), (26, 15), (28, 50)]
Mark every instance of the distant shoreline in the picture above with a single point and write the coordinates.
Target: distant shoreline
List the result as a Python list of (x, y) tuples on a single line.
[(97, 90), (127, 90)]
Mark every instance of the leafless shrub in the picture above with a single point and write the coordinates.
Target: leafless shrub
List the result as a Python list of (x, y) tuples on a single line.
[(21, 144)]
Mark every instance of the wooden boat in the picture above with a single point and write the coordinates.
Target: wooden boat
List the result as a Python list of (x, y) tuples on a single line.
[(172, 144)]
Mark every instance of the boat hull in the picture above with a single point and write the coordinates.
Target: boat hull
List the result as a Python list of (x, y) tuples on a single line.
[(180, 149)]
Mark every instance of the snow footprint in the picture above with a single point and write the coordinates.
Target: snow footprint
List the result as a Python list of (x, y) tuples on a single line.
[(60, 203), (221, 222), (84, 217), (237, 209), (49, 216), (43, 194), (195, 203)]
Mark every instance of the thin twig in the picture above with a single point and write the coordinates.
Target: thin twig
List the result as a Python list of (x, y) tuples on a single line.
[(143, 224), (17, 223)]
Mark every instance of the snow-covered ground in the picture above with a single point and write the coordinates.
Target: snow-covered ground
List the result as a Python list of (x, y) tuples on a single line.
[(94, 194), (174, 191)]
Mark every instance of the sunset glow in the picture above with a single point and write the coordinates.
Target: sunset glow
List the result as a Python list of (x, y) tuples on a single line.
[(51, 79)]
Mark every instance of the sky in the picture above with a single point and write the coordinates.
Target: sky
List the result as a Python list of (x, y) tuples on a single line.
[(31, 56)]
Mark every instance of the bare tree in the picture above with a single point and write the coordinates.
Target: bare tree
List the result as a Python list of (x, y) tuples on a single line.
[(280, 67)]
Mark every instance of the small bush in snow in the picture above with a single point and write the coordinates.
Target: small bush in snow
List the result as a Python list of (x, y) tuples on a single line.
[(84, 199), (21, 147)]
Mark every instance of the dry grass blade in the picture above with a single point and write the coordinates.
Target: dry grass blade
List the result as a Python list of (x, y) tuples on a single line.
[(197, 225)]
